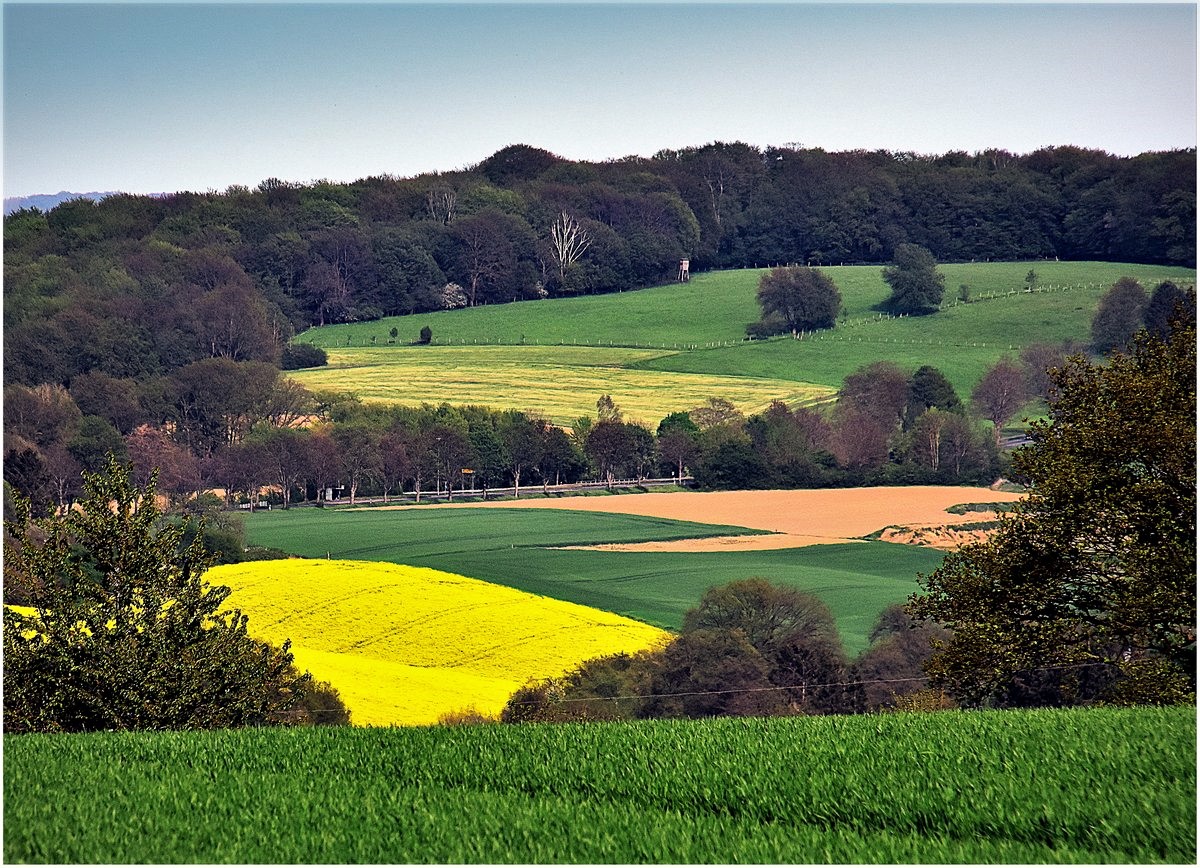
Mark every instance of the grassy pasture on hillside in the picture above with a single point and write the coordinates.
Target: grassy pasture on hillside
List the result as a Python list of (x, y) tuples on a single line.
[(559, 383), (1045, 786), (510, 547), (405, 645), (714, 306), (698, 328)]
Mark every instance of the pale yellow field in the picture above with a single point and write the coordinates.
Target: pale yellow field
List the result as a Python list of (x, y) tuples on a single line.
[(404, 645), (560, 383)]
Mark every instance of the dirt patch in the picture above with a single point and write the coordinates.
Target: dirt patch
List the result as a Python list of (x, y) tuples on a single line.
[(934, 537), (795, 517)]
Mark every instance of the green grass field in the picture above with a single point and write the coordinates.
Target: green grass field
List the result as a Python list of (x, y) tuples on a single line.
[(1048, 786), (505, 355), (511, 547)]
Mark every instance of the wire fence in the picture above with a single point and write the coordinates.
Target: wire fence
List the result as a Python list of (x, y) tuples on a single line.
[(1016, 292), (801, 686)]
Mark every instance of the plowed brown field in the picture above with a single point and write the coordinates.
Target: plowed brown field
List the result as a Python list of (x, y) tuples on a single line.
[(794, 517)]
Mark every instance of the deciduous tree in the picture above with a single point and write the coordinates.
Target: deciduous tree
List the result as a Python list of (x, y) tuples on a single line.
[(1092, 578), (1000, 393), (126, 633), (917, 285), (1119, 315), (801, 298)]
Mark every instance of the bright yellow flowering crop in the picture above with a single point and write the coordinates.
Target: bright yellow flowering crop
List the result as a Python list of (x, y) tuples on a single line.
[(404, 645), (562, 383)]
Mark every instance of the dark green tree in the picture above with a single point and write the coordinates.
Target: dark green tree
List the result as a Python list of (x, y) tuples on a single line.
[(1162, 307), (713, 673), (792, 630), (799, 298), (1119, 315), (293, 357), (126, 633), (1089, 586), (917, 285), (929, 389)]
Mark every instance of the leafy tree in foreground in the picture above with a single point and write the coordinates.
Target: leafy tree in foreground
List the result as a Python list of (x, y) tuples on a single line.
[(917, 285), (126, 634), (799, 298), (1089, 587)]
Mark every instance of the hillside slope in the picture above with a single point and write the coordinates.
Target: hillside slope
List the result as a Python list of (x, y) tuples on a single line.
[(405, 645)]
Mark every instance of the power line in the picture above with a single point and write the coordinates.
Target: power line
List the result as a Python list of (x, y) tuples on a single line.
[(803, 686)]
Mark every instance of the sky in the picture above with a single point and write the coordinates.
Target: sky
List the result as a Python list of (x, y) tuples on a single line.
[(146, 98)]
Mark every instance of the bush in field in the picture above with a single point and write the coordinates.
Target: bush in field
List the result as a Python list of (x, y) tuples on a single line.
[(917, 286), (890, 673), (793, 631), (749, 648), (125, 633), (796, 298), (426, 335), (613, 687), (470, 716), (297, 356)]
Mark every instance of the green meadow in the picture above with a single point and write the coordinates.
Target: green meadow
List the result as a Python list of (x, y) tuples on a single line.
[(516, 548), (1087, 786), (559, 355)]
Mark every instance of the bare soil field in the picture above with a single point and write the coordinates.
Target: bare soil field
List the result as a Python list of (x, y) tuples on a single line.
[(914, 514)]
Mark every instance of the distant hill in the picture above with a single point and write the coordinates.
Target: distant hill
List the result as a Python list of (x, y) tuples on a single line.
[(46, 201)]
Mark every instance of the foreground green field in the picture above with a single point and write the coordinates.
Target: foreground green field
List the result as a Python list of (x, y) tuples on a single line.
[(1079, 786), (559, 355), (513, 547)]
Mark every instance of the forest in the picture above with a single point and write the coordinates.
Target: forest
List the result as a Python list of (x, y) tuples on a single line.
[(136, 287)]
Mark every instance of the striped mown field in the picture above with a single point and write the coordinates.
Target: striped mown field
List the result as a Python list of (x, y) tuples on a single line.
[(405, 645)]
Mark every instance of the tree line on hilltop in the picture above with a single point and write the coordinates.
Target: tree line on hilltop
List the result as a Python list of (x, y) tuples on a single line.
[(139, 286)]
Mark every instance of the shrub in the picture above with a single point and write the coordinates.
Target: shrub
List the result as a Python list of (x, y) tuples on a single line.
[(125, 634), (297, 356), (426, 335)]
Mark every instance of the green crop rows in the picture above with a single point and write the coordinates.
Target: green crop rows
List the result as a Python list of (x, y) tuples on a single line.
[(1085, 786), (510, 547)]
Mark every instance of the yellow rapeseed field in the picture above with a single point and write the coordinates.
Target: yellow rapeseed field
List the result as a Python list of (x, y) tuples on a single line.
[(404, 645), (561, 384)]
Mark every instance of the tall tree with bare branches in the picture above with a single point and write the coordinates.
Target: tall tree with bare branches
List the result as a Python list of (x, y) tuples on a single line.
[(569, 240)]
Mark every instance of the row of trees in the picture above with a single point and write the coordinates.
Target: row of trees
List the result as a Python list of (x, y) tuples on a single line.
[(241, 427), (135, 286)]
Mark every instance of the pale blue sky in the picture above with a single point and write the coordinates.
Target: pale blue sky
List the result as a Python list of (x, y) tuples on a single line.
[(156, 98)]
